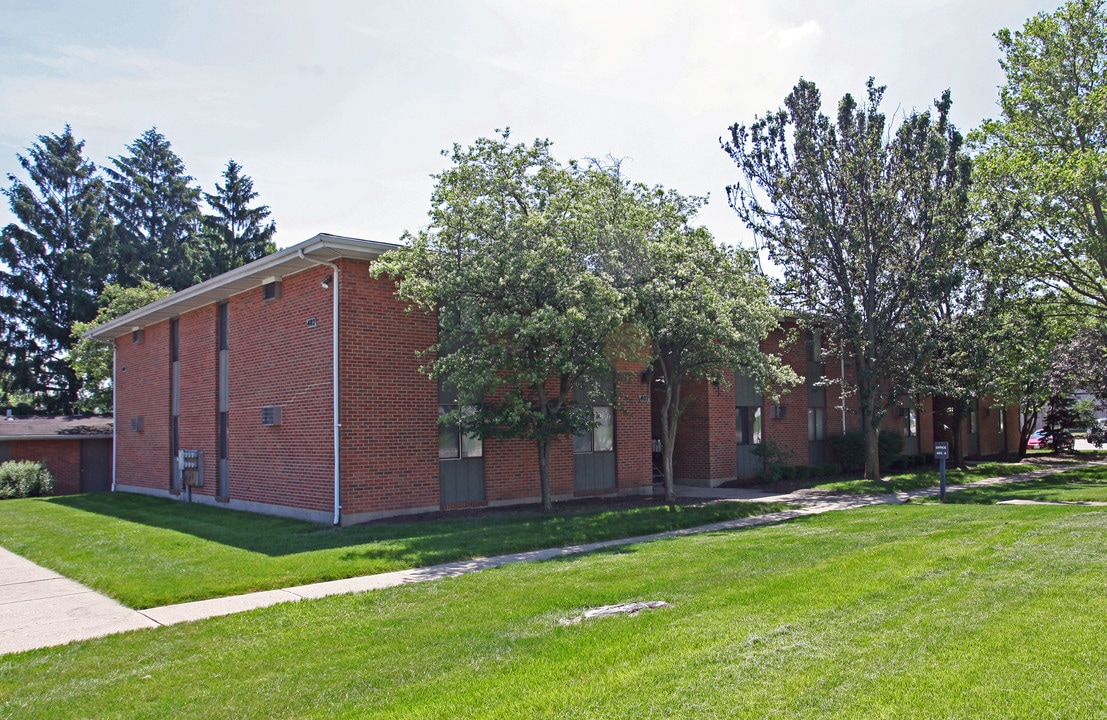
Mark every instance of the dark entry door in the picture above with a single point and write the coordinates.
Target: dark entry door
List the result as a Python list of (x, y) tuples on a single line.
[(95, 465)]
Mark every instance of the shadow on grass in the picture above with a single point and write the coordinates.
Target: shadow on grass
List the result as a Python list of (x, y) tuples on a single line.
[(410, 543), (925, 478), (1071, 486)]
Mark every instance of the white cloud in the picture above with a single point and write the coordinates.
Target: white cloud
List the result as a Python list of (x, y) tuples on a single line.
[(804, 35)]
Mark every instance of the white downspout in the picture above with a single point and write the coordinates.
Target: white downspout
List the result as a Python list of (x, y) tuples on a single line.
[(114, 414), (334, 387)]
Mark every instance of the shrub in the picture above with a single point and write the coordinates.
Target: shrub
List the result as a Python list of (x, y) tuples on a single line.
[(928, 458), (25, 478), (773, 457), (830, 469), (850, 448)]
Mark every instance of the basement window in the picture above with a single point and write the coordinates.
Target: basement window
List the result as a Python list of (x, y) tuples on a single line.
[(271, 290)]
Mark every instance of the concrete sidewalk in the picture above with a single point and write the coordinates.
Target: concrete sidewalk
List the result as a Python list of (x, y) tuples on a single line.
[(39, 608)]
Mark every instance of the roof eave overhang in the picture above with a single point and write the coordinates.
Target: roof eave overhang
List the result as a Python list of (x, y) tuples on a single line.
[(291, 260), (75, 436)]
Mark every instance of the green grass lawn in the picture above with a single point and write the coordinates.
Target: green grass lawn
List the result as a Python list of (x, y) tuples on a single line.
[(924, 478), (147, 551), (1087, 485), (908, 611)]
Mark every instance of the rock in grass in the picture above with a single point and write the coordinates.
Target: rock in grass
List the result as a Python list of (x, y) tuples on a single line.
[(631, 608)]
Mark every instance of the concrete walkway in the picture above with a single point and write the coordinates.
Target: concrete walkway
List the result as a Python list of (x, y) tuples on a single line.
[(39, 608)]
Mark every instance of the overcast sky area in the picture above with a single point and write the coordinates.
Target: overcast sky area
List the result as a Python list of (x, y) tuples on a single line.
[(339, 110)]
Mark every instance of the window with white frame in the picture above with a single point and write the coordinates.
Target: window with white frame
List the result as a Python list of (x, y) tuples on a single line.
[(601, 438), (747, 422)]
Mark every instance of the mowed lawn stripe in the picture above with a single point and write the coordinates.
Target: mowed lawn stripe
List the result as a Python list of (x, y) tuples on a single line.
[(888, 611), (147, 552)]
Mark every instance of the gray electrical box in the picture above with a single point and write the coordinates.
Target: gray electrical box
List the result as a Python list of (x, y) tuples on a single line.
[(191, 464)]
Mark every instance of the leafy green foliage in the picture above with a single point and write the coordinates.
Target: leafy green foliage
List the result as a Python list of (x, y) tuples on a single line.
[(1042, 168), (25, 479), (507, 264), (235, 233), (52, 265), (849, 448), (863, 220), (702, 308), (91, 360)]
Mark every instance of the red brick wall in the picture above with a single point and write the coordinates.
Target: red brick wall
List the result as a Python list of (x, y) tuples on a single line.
[(275, 358), (389, 408), (61, 457), (705, 440), (790, 431), (199, 353), (389, 433), (142, 389), (633, 447)]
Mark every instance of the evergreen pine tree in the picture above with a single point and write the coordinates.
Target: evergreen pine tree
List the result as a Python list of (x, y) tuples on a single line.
[(157, 215), (53, 262), (235, 233)]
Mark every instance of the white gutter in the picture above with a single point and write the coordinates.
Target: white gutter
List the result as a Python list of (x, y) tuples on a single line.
[(334, 387), (842, 384), (114, 416)]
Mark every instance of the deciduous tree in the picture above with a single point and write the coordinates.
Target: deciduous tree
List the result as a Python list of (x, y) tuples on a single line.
[(508, 265), (1044, 160), (702, 308), (91, 360), (862, 220)]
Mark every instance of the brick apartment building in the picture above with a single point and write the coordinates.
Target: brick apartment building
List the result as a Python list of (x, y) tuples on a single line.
[(230, 392), (722, 425), (291, 386)]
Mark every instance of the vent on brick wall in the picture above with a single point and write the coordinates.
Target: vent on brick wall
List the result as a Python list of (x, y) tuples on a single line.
[(779, 411), (271, 290), (272, 415), (138, 423), (138, 336)]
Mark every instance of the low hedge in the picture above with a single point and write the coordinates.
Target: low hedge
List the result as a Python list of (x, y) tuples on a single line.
[(25, 478)]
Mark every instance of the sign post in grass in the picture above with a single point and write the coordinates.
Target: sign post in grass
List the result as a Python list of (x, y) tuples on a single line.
[(941, 454)]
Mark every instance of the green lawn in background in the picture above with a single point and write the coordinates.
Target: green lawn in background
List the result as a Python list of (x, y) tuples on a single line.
[(147, 551), (892, 611), (924, 478), (1085, 485)]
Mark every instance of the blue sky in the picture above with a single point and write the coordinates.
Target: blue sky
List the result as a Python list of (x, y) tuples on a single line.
[(339, 110)]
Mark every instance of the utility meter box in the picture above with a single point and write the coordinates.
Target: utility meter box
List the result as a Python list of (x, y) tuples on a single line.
[(191, 464)]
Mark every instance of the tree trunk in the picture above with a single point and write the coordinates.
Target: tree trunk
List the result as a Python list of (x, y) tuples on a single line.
[(544, 473), (866, 396), (670, 414), (1029, 420)]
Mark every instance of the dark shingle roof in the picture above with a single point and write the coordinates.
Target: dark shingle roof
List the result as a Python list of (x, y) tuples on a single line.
[(62, 426)]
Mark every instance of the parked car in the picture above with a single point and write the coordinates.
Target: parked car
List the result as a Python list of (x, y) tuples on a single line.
[(1040, 439)]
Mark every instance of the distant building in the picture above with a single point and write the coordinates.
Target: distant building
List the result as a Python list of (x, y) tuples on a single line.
[(77, 450)]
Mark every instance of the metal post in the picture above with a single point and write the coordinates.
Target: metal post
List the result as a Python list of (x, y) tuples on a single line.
[(941, 452)]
